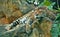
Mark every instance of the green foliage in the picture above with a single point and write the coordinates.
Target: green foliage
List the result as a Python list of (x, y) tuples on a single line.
[(54, 30), (48, 4), (58, 10), (59, 28), (58, 19)]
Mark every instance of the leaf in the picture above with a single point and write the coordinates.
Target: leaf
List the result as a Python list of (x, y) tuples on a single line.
[(48, 4), (51, 6), (54, 30)]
